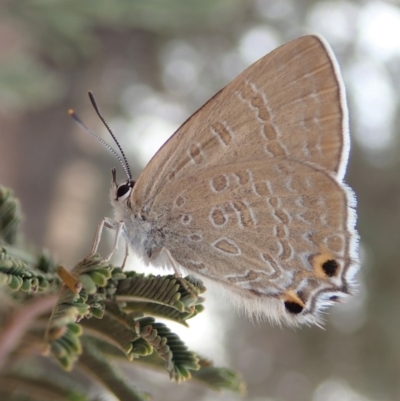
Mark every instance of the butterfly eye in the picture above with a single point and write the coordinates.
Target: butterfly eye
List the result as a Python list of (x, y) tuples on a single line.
[(124, 190)]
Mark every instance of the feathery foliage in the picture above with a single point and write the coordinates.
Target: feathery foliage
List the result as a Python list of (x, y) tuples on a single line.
[(101, 316), (10, 217)]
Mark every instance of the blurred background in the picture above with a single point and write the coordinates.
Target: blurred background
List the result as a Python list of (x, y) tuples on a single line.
[(151, 64)]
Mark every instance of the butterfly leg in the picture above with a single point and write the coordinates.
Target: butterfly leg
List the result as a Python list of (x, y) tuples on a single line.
[(117, 226), (126, 255), (177, 271), (112, 225), (154, 254)]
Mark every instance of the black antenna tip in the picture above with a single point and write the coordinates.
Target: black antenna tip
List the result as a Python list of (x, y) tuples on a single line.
[(124, 162), (94, 104)]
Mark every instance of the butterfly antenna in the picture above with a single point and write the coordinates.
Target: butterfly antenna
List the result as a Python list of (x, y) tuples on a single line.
[(102, 141), (126, 168)]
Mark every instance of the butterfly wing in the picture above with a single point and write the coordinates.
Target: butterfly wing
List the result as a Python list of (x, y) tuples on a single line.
[(288, 104), (249, 193), (265, 229)]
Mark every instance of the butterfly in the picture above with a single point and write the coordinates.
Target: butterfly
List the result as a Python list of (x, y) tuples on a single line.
[(248, 193)]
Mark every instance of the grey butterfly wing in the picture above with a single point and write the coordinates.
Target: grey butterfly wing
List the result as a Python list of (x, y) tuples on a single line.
[(288, 104), (253, 228), (265, 158)]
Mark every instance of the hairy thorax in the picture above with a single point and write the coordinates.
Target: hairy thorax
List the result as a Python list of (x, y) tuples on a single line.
[(142, 234)]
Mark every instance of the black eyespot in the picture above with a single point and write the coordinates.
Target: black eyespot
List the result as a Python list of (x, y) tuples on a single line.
[(330, 267), (293, 307), (123, 189)]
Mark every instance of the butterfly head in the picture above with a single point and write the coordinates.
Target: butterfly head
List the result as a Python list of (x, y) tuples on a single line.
[(120, 192), (123, 189), (120, 197)]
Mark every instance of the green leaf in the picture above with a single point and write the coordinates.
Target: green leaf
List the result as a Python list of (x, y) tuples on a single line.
[(164, 290), (18, 276), (179, 360), (10, 217), (219, 378), (38, 389), (109, 375)]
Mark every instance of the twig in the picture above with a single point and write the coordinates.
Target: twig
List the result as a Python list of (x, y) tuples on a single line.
[(19, 322)]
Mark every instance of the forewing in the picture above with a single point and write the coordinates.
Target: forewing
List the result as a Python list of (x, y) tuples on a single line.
[(289, 104)]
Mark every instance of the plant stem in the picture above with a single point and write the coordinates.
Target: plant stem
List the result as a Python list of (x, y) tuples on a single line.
[(19, 322)]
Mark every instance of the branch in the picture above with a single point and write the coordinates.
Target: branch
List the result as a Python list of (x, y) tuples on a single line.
[(19, 323)]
